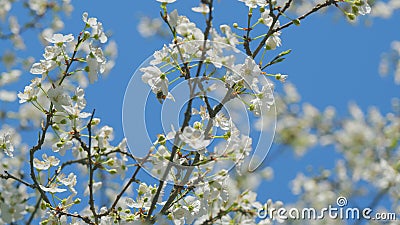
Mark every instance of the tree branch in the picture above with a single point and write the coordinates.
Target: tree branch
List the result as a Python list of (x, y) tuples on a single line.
[(84, 218), (188, 109), (90, 166), (272, 30), (10, 176), (313, 10), (37, 147)]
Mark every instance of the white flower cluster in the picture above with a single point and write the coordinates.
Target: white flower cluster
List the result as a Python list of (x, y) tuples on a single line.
[(197, 156), (6, 144), (368, 144), (390, 62)]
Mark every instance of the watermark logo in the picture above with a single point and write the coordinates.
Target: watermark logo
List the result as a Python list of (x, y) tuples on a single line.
[(340, 211), (341, 201)]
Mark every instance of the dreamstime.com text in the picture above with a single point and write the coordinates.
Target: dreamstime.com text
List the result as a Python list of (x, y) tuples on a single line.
[(333, 212)]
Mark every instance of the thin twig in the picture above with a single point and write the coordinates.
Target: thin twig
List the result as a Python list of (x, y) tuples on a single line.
[(37, 147), (222, 213), (131, 180), (247, 38), (69, 62), (31, 24), (32, 216), (271, 31), (313, 10), (10, 176), (84, 218), (88, 149), (90, 165)]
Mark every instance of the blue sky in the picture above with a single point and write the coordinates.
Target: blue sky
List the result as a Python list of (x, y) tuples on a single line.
[(332, 63)]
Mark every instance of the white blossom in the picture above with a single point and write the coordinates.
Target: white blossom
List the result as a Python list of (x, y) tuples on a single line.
[(195, 138), (7, 96), (262, 100), (53, 188), (166, 1), (39, 6), (13, 205), (63, 145), (96, 187), (59, 97), (75, 111), (9, 77), (254, 3), (14, 25), (6, 144), (43, 67), (143, 200), (52, 53), (273, 41), (5, 7), (148, 27), (97, 27), (266, 18), (203, 8), (246, 72), (60, 38), (173, 18), (160, 56), (363, 7), (69, 181), (30, 93), (222, 121), (157, 81), (96, 63)]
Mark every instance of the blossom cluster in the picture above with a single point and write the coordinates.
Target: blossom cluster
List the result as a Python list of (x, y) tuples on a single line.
[(75, 161)]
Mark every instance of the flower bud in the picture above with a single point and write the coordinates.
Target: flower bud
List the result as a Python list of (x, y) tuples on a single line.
[(197, 125), (56, 127), (252, 107), (354, 9), (235, 25), (359, 3), (95, 121), (112, 171), (161, 139), (86, 35), (351, 16), (110, 162), (43, 206)]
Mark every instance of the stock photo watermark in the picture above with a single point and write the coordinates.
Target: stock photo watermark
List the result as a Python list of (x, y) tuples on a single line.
[(338, 211)]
